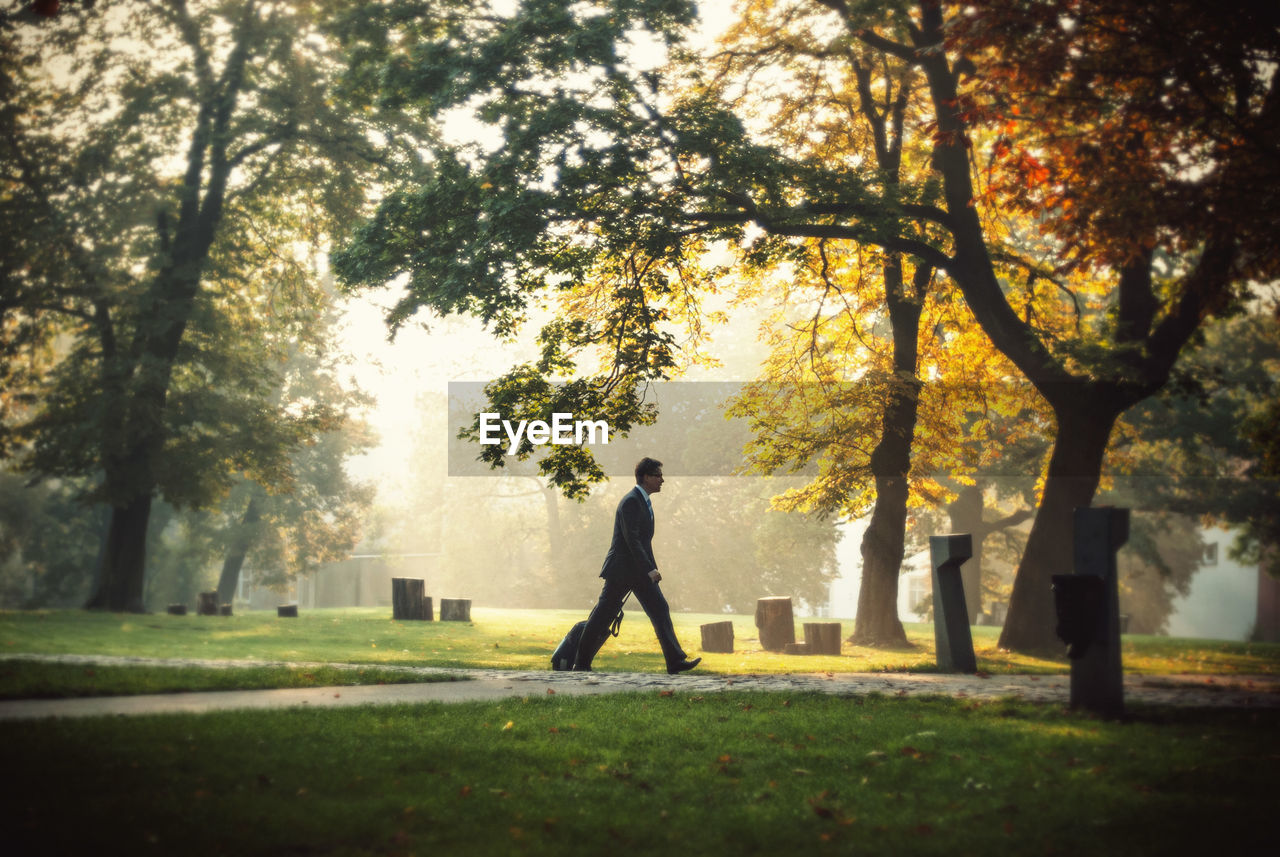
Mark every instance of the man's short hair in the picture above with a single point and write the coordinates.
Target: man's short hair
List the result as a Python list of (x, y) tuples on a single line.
[(647, 467)]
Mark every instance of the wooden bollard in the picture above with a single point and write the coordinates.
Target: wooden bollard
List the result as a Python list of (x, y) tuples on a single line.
[(455, 609), (717, 637), (409, 600), (822, 638), (206, 604), (774, 619)]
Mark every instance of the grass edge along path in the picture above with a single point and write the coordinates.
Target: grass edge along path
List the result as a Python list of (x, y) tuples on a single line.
[(33, 679), (647, 773)]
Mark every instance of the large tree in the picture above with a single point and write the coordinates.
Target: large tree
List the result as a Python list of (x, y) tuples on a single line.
[(158, 192), (1144, 137), (873, 449), (598, 169)]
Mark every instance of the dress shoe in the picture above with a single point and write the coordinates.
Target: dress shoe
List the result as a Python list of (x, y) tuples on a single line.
[(683, 666)]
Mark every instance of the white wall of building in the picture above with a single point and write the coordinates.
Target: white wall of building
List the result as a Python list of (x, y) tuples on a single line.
[(1223, 601), (843, 595)]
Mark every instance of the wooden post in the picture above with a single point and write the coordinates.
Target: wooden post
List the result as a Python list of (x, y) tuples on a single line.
[(717, 637), (287, 611), (408, 599), (207, 604), (822, 638), (455, 609), (775, 621)]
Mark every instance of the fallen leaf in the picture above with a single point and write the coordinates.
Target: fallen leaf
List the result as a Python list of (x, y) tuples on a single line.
[(666, 693), (550, 692), (510, 724)]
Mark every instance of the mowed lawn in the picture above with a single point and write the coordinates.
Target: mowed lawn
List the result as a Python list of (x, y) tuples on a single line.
[(656, 772), (647, 773), (524, 640)]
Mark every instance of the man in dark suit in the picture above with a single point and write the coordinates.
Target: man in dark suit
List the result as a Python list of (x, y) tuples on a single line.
[(630, 567)]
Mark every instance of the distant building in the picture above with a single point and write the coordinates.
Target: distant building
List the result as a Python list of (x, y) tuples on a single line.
[(842, 599), (361, 580), (1223, 602)]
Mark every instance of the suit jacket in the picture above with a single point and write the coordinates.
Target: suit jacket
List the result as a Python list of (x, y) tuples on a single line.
[(631, 551)]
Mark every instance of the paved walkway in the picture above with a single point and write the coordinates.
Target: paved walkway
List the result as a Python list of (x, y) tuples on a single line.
[(1195, 691)]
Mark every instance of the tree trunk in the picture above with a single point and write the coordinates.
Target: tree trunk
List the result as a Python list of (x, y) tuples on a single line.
[(124, 559), (877, 622), (141, 382), (239, 550), (965, 513), (1085, 421)]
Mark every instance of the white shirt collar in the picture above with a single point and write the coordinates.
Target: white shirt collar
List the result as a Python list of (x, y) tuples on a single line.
[(643, 493)]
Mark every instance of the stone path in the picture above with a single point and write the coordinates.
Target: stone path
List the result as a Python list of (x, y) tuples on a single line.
[(480, 684)]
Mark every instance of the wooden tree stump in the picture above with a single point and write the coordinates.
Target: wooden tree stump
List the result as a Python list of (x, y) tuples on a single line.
[(206, 604), (224, 610), (177, 609), (822, 638), (455, 609), (775, 621), (797, 649), (717, 637), (409, 600), (287, 611)]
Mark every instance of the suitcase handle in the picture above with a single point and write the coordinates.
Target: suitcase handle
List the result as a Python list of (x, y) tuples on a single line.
[(616, 626)]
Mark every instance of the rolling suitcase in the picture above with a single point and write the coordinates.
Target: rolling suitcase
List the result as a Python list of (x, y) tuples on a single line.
[(567, 652)]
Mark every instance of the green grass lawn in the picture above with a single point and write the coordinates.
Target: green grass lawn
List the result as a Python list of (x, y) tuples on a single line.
[(647, 773), (524, 640)]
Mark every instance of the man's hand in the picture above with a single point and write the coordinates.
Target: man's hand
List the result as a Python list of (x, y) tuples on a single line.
[(654, 576)]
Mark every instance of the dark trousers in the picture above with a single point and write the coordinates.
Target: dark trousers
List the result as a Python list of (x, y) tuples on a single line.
[(611, 597)]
